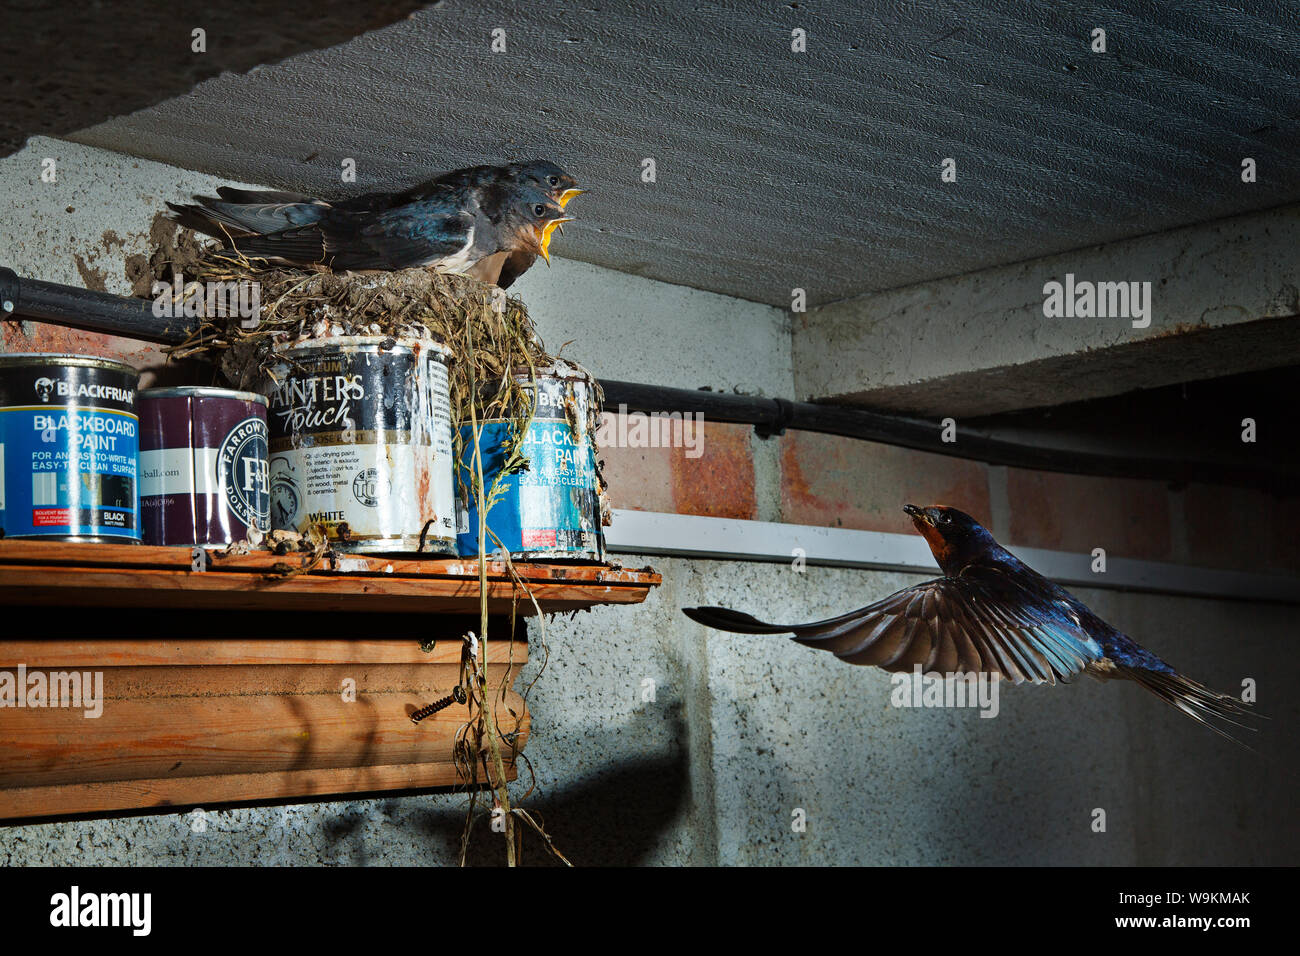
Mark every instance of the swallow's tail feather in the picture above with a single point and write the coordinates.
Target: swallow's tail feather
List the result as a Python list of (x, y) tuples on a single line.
[(298, 246), (738, 622), (1196, 701), (217, 217), (254, 196), (198, 219)]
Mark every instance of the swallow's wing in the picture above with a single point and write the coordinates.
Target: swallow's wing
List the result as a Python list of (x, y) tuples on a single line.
[(415, 235), (237, 195), (979, 622)]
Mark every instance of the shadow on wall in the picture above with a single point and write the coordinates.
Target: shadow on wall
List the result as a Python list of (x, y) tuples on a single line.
[(614, 817)]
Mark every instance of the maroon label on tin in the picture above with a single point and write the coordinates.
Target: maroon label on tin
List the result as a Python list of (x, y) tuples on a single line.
[(203, 469)]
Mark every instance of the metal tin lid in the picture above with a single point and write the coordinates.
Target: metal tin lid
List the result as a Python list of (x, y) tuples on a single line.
[(201, 391), (562, 370), (65, 359), (365, 341)]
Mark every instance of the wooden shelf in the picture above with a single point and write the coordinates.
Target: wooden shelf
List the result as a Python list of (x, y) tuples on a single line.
[(185, 722), (243, 702), (118, 575)]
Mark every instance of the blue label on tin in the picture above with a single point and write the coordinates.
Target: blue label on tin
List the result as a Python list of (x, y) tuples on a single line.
[(552, 507), (69, 471)]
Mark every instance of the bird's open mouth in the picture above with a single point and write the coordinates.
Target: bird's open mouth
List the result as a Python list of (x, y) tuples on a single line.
[(546, 232), (564, 201), (917, 514)]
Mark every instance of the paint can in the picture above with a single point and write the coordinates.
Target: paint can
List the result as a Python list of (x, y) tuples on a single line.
[(360, 430), (552, 509), (204, 477), (69, 448)]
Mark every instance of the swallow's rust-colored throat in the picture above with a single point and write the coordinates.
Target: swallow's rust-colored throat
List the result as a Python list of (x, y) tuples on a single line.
[(939, 546)]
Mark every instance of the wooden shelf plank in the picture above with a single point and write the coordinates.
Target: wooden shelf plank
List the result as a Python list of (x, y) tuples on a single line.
[(91, 653), (25, 803), (189, 717), (113, 575), (210, 734), (202, 721)]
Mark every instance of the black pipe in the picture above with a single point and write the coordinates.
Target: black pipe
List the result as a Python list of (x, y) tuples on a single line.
[(134, 318), (84, 309), (772, 416)]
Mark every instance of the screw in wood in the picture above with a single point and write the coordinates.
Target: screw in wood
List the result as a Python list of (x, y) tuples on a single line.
[(457, 696)]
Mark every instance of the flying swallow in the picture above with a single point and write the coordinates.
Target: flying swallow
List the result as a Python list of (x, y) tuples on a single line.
[(451, 223), (990, 613)]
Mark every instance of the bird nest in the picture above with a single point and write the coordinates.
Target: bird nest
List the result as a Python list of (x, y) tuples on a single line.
[(495, 349), (490, 335), (495, 353)]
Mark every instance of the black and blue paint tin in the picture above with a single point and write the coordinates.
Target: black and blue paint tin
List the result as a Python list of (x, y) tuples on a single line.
[(549, 510), (69, 448)]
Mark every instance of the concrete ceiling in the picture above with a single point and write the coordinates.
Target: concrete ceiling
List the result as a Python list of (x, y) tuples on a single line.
[(777, 169), (61, 73)]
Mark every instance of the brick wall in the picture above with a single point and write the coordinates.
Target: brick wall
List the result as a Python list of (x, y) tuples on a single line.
[(839, 482)]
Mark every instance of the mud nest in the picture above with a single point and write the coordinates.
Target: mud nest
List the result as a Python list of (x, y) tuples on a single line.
[(490, 335)]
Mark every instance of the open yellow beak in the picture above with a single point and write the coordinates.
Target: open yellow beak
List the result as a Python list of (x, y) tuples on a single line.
[(564, 200), (547, 230)]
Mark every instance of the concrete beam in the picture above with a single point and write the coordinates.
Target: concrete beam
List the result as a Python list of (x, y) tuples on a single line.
[(1222, 295), (111, 59)]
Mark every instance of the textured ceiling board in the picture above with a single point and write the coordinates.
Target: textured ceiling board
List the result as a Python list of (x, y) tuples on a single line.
[(63, 70), (777, 169)]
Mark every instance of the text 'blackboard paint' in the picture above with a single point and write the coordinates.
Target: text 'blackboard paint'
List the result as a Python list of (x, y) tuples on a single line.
[(551, 509), (69, 448)]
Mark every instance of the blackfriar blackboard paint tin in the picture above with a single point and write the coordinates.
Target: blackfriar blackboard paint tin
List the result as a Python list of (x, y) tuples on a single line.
[(550, 510), (204, 473), (69, 448), (360, 432)]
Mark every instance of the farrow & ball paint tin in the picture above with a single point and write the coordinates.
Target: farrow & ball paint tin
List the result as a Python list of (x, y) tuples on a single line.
[(204, 475)]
